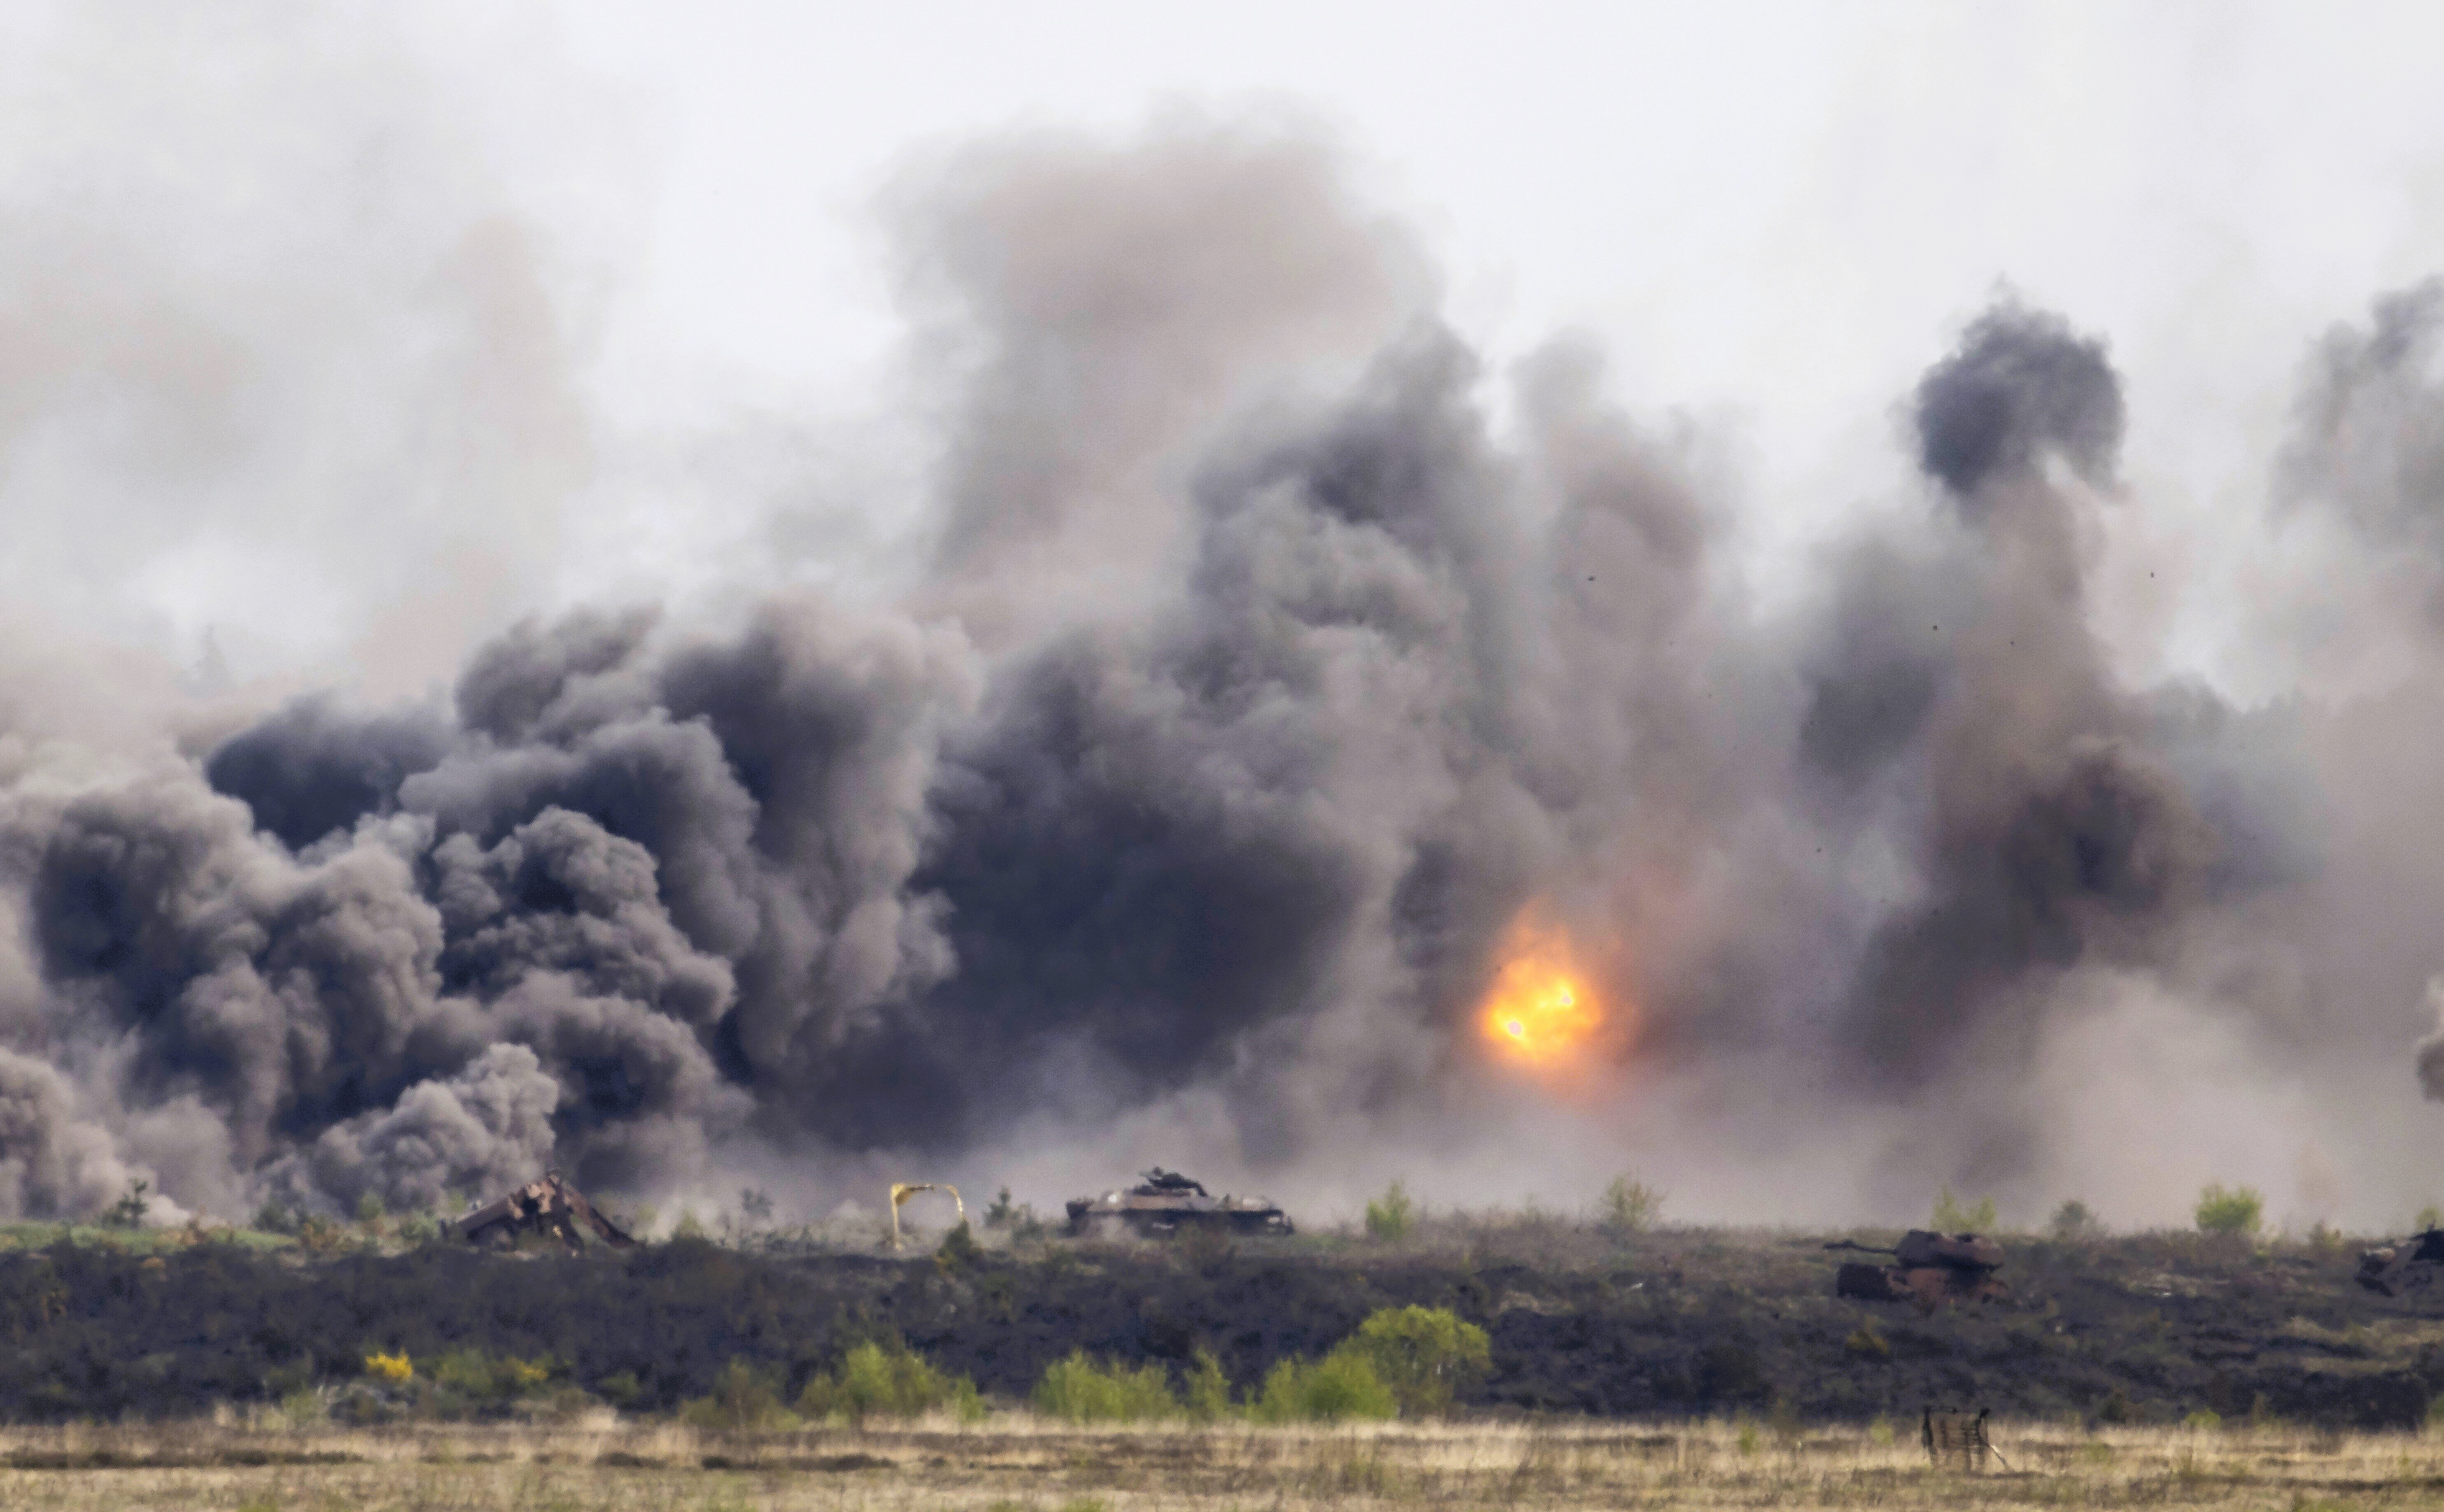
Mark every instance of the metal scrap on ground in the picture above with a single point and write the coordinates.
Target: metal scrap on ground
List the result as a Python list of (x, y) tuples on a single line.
[(902, 1191), (549, 1206)]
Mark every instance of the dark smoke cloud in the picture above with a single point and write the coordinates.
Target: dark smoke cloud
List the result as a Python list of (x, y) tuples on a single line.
[(1261, 684)]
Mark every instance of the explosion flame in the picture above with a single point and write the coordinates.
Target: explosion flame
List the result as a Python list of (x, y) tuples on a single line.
[(1540, 1010)]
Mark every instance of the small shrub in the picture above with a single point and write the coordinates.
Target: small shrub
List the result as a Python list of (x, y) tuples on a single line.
[(2074, 1221), (1077, 1389), (2429, 1217), (1866, 1343), (1340, 1386), (888, 1381), (369, 1208), (622, 1389), (273, 1218), (959, 1252), (475, 1379), (1391, 1216), (1422, 1355), (755, 1205), (391, 1369), (2205, 1419), (2230, 1210), (1631, 1206), (303, 1408), (1953, 1216), (129, 1210), (744, 1399), (1880, 1432), (1207, 1393)]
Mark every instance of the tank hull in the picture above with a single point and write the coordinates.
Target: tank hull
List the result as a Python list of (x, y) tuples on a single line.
[(1166, 1203)]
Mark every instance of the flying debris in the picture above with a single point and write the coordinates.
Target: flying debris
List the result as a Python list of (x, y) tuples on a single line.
[(1167, 1202), (549, 1206)]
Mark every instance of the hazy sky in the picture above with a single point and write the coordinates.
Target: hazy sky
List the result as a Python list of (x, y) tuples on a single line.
[(1775, 215)]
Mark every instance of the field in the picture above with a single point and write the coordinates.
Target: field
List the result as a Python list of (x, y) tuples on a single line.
[(1016, 1464)]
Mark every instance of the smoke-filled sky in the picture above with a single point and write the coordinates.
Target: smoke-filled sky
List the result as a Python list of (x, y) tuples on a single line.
[(809, 597)]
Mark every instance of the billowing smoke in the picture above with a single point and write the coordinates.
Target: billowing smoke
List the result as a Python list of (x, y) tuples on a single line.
[(1260, 681)]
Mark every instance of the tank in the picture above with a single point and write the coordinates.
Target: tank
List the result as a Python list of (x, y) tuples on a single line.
[(2414, 1264), (1168, 1203), (1928, 1268)]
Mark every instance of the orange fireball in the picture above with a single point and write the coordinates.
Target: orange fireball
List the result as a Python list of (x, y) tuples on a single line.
[(1540, 1010)]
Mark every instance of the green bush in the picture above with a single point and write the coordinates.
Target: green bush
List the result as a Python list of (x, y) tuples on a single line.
[(1631, 1206), (744, 1399), (1338, 1386), (879, 1380), (1207, 1393), (471, 1378), (1953, 1216), (2073, 1219), (1077, 1389), (2230, 1210), (1391, 1216), (1421, 1354)]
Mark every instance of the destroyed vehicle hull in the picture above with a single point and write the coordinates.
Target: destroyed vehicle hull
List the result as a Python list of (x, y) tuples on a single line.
[(1166, 1202), (1929, 1286), (549, 1207), (2414, 1264)]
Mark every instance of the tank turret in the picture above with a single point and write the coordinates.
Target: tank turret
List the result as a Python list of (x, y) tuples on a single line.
[(1928, 1268)]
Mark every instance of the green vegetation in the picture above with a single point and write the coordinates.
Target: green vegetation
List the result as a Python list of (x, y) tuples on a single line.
[(1422, 1355), (1340, 1386), (745, 1397), (1953, 1216), (888, 1381), (2230, 1210), (1079, 1390), (2073, 1221), (1631, 1206), (1392, 1216)]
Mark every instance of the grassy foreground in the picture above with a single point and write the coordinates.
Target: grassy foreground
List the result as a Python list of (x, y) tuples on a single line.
[(1013, 1464)]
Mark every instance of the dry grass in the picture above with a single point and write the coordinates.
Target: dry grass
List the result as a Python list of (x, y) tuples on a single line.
[(1015, 1464)]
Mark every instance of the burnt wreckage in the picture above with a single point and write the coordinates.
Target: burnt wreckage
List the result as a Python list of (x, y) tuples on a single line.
[(550, 1206), (1928, 1268), (1166, 1201), (2413, 1264)]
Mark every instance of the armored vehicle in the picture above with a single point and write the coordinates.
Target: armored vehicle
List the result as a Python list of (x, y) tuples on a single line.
[(2414, 1264), (549, 1206), (1928, 1268), (1166, 1202)]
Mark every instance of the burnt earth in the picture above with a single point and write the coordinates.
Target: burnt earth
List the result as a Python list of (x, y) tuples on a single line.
[(2148, 1328)]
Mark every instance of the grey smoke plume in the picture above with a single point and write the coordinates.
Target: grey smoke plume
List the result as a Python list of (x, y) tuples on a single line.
[(1260, 684)]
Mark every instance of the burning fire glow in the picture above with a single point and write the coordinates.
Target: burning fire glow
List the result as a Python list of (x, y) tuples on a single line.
[(1540, 1008)]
